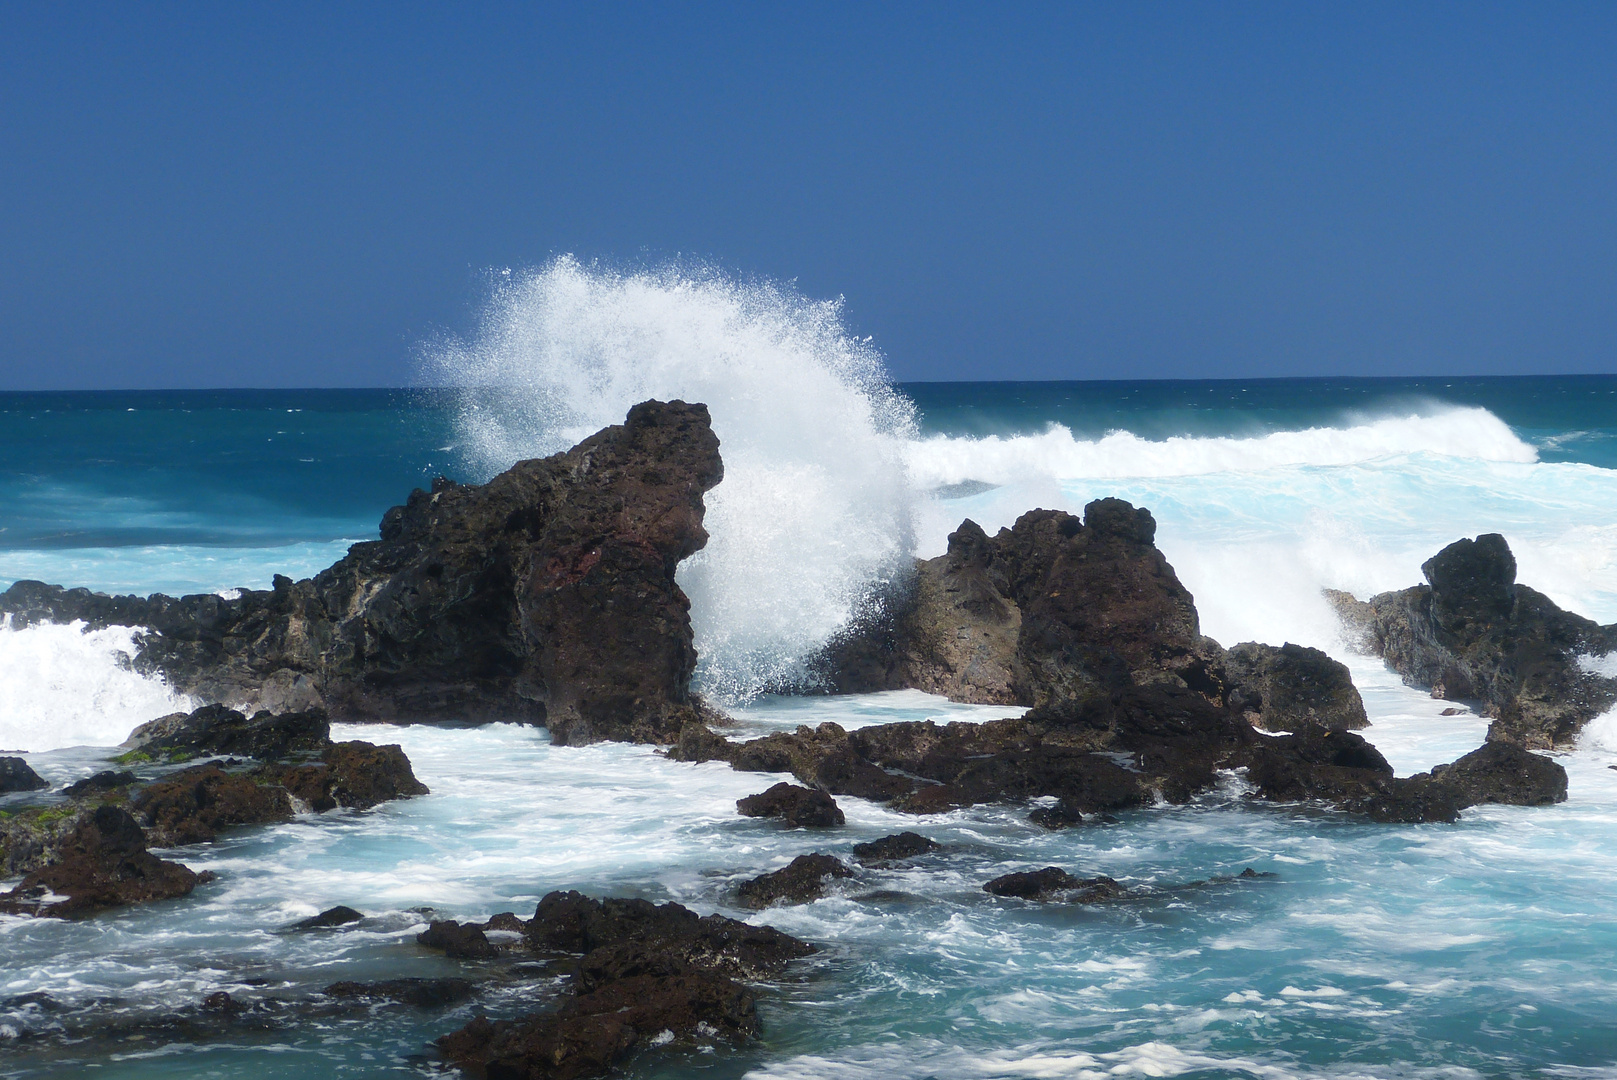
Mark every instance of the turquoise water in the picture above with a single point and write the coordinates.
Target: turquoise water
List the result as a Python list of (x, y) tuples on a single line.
[(1480, 949)]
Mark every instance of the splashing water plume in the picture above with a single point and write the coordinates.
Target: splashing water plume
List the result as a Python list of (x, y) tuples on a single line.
[(814, 510)]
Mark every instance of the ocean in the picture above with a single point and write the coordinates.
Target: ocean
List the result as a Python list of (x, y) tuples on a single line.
[(1484, 948)]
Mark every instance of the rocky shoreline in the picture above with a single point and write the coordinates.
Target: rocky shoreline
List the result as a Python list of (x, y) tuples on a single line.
[(549, 596)]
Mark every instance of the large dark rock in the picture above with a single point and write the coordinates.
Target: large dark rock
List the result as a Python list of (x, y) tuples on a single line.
[(547, 595), (1291, 687), (1472, 633), (573, 922), (215, 730), (103, 864), (193, 805), (1052, 608), (358, 775), (17, 775), (948, 629), (800, 881), (457, 941), (796, 806), (650, 975), (1504, 773)]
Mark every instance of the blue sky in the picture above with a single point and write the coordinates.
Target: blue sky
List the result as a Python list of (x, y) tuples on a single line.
[(285, 195)]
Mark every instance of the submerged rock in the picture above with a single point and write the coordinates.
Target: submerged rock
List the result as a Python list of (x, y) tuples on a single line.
[(1473, 633), (800, 881), (1054, 883), (422, 993), (796, 806), (895, 848), (17, 775), (103, 863), (330, 918), (547, 595)]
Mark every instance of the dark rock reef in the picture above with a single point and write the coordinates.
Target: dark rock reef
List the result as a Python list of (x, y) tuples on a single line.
[(1472, 633), (800, 881), (646, 975), (103, 863), (546, 595), (88, 851), (1131, 702), (899, 847)]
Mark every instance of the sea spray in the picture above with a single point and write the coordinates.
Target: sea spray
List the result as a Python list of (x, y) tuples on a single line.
[(63, 685), (814, 511)]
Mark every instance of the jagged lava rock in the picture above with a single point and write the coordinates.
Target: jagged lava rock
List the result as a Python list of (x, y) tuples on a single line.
[(648, 970), (800, 881), (458, 941), (573, 922), (217, 730), (1292, 686), (1472, 632), (193, 805), (546, 595), (17, 775), (103, 864), (105, 780), (798, 807)]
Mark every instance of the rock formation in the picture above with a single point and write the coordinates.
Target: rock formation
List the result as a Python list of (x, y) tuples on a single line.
[(102, 863), (1056, 608), (1472, 633), (17, 775), (800, 881), (647, 975), (545, 595), (797, 807), (87, 851)]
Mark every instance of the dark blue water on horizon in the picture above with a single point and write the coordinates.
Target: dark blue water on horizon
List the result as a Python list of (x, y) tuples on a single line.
[(119, 469)]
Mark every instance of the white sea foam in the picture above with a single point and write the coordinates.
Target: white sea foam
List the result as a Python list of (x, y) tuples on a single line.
[(814, 509), (65, 686), (1454, 432)]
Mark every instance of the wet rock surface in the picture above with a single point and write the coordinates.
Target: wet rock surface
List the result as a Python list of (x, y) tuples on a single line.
[(547, 595), (649, 975), (802, 880), (56, 843), (103, 864), (457, 941), (329, 919), (1290, 687), (17, 775), (795, 806), (1054, 883), (1472, 633), (896, 848)]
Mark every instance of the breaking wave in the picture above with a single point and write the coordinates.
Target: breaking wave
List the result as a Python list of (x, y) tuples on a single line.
[(68, 686), (815, 508)]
